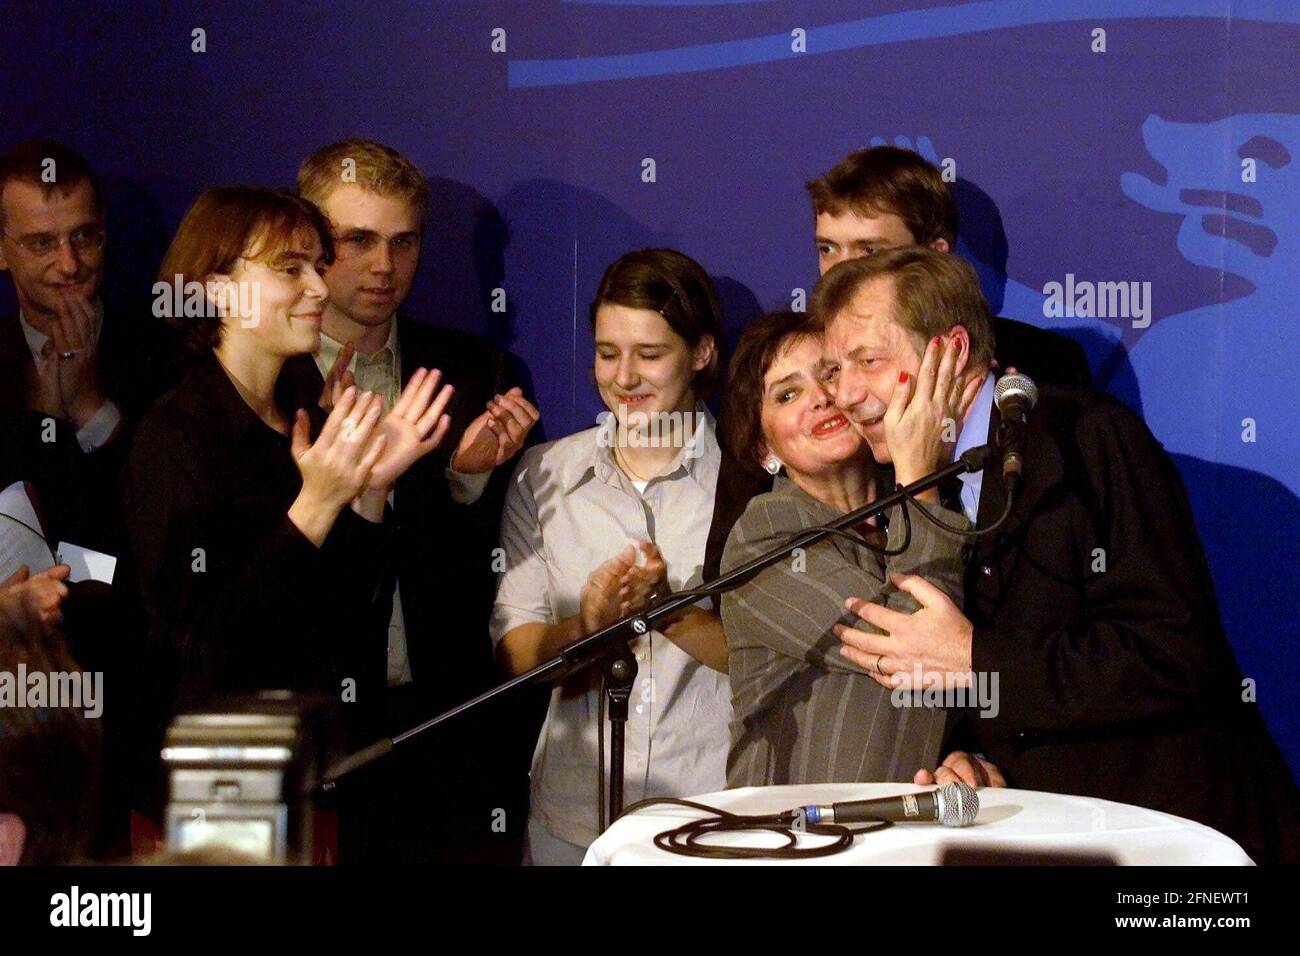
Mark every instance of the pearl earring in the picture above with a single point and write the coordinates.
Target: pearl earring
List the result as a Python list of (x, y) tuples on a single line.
[(771, 465)]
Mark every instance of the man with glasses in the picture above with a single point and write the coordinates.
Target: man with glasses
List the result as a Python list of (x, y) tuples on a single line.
[(52, 246), (460, 794), (75, 374)]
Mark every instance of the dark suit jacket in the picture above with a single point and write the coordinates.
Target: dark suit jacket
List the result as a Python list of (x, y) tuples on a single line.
[(434, 801), (79, 496), (237, 598), (1043, 356), (442, 550), (79, 491), (1094, 606)]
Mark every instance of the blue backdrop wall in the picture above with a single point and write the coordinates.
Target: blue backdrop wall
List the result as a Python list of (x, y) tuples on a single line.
[(1134, 141)]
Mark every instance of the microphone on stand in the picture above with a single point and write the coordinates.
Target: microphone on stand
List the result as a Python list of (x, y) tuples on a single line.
[(951, 805), (1015, 396)]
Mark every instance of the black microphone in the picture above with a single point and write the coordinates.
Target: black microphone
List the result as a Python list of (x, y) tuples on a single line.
[(1015, 396), (952, 805)]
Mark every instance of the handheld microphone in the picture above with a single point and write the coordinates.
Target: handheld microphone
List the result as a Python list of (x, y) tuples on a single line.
[(1015, 396), (952, 805)]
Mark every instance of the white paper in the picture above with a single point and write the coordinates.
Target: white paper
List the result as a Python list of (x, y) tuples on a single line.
[(87, 565), (20, 545)]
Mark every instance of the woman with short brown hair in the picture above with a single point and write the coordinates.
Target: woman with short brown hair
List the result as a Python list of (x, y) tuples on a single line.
[(260, 550)]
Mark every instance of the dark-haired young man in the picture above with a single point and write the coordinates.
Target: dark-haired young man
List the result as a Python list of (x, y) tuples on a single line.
[(886, 197)]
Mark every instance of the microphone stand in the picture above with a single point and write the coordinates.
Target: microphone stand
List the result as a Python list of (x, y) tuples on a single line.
[(608, 646)]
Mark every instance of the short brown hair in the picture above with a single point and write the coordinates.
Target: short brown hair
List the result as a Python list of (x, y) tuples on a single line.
[(935, 292), (377, 168), (26, 163), (762, 342), (887, 179), (225, 224), (675, 286)]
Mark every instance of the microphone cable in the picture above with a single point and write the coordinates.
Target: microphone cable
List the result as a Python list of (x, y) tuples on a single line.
[(962, 532), (688, 839)]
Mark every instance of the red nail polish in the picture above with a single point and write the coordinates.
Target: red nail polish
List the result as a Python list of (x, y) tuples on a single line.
[(902, 378)]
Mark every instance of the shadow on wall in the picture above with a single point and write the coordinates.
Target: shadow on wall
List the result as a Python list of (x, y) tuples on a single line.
[(462, 260), (1250, 526), (982, 241), (561, 240), (1247, 520)]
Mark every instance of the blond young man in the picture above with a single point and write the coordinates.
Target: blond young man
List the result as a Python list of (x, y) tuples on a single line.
[(438, 796)]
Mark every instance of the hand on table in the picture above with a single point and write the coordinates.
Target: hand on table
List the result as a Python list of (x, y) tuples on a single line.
[(966, 768)]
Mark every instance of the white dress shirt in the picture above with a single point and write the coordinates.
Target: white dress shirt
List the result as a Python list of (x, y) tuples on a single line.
[(381, 372)]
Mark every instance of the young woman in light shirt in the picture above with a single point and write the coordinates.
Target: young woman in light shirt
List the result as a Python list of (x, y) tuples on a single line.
[(597, 523)]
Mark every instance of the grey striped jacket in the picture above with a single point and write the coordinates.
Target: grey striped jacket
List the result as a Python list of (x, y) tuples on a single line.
[(801, 712)]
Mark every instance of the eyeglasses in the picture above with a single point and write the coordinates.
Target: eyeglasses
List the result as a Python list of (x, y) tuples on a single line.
[(85, 239)]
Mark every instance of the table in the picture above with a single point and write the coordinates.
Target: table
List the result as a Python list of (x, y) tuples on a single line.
[(1016, 820)]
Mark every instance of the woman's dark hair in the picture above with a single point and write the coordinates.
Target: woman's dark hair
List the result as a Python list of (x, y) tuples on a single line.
[(224, 224), (675, 286), (763, 340)]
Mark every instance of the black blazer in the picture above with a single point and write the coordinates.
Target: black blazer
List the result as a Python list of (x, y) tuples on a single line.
[(237, 599), (442, 551), (1094, 606)]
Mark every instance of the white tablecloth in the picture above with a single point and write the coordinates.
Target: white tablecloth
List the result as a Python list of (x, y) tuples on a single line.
[(1008, 819)]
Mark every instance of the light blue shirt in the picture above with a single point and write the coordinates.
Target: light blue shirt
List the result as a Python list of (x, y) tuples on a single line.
[(975, 431)]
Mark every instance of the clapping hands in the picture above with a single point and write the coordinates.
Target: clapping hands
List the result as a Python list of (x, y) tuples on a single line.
[(625, 584), (495, 436), (67, 374), (337, 466), (416, 426)]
